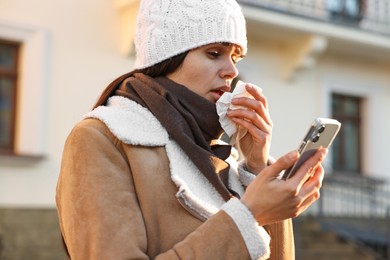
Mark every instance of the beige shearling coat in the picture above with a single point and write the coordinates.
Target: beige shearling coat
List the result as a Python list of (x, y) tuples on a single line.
[(127, 191)]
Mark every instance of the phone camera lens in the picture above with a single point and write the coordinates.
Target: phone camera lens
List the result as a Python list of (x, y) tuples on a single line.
[(315, 138), (321, 129)]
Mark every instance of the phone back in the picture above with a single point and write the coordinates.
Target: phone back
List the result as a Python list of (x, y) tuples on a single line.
[(320, 134)]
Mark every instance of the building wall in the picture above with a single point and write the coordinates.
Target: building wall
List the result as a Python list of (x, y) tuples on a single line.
[(295, 102), (368, 79), (82, 56), (30, 234), (84, 52)]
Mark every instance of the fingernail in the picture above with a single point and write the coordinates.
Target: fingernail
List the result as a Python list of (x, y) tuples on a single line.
[(248, 86), (294, 155), (255, 87)]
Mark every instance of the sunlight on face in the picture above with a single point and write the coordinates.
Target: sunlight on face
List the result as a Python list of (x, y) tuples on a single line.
[(209, 70)]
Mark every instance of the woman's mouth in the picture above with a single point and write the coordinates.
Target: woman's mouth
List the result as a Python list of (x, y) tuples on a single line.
[(217, 93)]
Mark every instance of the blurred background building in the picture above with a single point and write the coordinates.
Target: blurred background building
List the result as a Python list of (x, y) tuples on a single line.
[(313, 58)]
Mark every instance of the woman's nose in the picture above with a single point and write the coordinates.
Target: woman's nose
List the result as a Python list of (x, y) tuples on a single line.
[(229, 71)]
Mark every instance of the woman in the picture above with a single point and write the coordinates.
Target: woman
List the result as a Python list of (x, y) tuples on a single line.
[(144, 175)]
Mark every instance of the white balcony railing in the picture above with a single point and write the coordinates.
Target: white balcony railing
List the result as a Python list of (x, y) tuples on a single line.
[(368, 15)]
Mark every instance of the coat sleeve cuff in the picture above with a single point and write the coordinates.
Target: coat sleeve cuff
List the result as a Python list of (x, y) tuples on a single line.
[(257, 240), (245, 176)]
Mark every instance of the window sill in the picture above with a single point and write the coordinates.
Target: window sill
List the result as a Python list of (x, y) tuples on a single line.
[(9, 159)]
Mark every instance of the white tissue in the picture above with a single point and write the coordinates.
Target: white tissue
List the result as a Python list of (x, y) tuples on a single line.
[(234, 132)]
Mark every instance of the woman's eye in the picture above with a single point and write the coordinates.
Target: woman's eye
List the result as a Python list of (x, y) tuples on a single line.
[(214, 54)]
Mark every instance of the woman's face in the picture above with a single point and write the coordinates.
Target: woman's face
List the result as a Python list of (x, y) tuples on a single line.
[(209, 70)]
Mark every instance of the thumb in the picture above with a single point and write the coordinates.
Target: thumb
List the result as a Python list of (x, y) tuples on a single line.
[(281, 164)]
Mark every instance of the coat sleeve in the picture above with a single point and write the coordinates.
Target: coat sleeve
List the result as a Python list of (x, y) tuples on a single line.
[(95, 182), (93, 186)]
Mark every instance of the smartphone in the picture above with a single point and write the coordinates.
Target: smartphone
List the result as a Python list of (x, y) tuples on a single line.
[(321, 133)]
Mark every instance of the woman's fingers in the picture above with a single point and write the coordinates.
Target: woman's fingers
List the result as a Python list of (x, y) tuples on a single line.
[(257, 130), (308, 167), (257, 105), (281, 164), (271, 199), (312, 186), (255, 109), (257, 94)]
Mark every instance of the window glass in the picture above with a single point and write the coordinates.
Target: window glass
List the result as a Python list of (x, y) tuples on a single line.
[(351, 107), (7, 57), (8, 77), (352, 8), (6, 113), (351, 144), (347, 146), (346, 11)]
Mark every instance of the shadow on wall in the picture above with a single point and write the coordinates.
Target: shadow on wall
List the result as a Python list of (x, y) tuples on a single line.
[(30, 234)]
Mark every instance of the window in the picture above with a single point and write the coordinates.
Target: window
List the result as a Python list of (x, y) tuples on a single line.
[(8, 81), (347, 145), (346, 10), (29, 79)]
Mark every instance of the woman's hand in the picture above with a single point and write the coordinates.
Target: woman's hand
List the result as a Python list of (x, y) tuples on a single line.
[(255, 144), (271, 199)]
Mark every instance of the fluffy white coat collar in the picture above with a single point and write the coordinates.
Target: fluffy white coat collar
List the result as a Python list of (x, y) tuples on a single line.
[(135, 125)]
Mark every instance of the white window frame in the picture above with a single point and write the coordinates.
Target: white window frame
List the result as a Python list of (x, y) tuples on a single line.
[(369, 113), (30, 121)]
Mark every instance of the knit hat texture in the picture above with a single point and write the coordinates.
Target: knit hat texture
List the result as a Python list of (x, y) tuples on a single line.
[(166, 28)]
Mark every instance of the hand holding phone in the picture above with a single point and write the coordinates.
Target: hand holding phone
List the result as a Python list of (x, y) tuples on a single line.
[(321, 133)]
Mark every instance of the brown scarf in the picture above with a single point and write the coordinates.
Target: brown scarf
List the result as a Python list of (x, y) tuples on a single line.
[(189, 119)]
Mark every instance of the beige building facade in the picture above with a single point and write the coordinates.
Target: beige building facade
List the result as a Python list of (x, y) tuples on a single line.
[(70, 50)]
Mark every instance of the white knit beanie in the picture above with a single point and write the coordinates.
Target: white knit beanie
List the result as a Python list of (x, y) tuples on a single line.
[(166, 28)]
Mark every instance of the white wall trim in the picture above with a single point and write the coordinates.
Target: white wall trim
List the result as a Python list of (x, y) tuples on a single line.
[(317, 27), (30, 130), (361, 89)]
